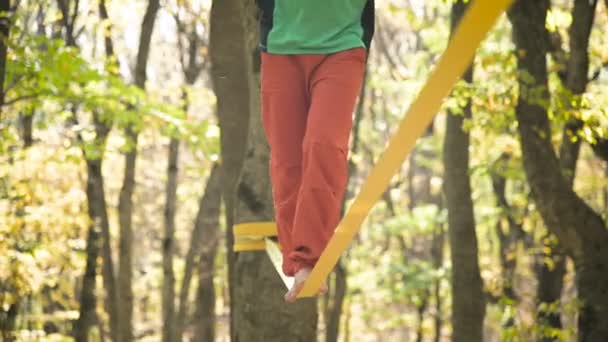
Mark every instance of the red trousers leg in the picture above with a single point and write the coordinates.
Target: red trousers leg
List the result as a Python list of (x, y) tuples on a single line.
[(284, 112), (334, 86), (307, 105)]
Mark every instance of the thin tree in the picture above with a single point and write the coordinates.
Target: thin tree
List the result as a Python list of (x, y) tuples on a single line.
[(125, 203), (207, 224), (468, 303), (190, 41), (99, 230)]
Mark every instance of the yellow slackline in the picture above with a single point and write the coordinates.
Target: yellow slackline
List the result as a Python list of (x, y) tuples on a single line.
[(472, 29), (255, 237), (252, 236)]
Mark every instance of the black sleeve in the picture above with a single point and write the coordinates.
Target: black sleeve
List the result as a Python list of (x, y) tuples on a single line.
[(367, 21), (266, 8)]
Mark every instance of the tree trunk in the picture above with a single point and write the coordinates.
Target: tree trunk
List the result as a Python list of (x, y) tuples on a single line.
[(27, 120), (5, 6), (259, 311), (336, 300), (551, 276), (8, 322), (550, 285), (229, 74), (88, 302), (168, 300), (510, 232), (192, 67), (98, 239), (108, 272), (580, 230), (125, 204), (207, 234), (468, 304), (437, 258), (99, 232)]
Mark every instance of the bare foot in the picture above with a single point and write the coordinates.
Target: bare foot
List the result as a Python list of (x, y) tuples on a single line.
[(298, 284)]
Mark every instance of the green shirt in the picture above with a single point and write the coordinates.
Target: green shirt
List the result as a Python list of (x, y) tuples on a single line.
[(315, 26)]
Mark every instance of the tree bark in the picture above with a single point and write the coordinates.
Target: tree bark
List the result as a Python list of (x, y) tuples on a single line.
[(5, 7), (8, 321), (580, 230), (26, 120), (468, 304), (550, 284), (168, 300), (207, 234), (125, 204), (99, 222), (229, 74), (336, 301), (98, 236), (259, 311), (577, 68), (108, 272)]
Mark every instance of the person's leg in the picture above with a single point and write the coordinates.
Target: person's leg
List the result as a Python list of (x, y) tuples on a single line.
[(284, 112), (334, 86)]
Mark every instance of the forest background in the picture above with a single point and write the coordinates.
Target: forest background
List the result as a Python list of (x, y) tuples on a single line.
[(130, 141)]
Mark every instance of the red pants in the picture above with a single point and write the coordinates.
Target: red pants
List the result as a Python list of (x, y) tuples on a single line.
[(307, 106)]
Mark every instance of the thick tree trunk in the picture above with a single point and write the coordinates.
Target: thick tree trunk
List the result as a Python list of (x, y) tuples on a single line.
[(207, 234), (259, 311), (580, 230), (468, 304), (229, 73), (168, 291), (551, 277), (125, 204)]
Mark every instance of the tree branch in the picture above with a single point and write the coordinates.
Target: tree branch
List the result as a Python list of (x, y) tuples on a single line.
[(20, 98)]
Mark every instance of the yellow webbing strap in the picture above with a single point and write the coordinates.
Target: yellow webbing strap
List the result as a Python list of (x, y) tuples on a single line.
[(474, 26), (251, 236), (255, 237)]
